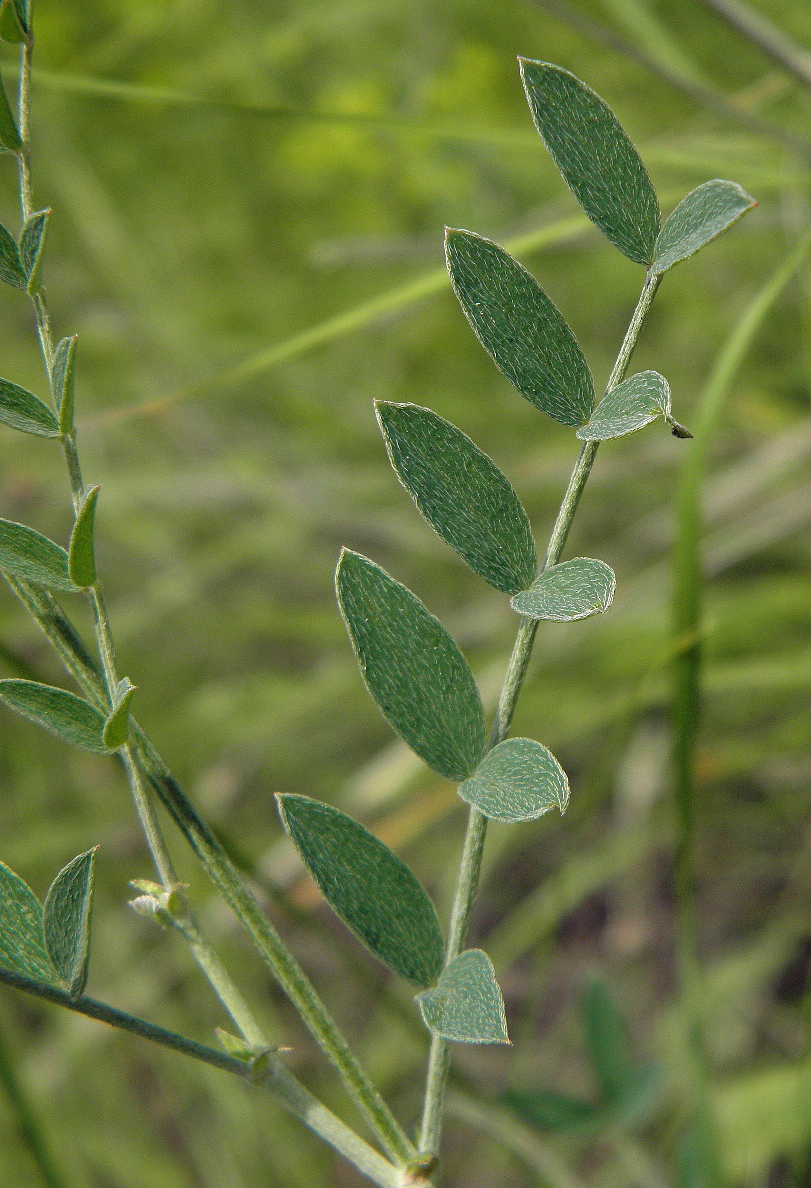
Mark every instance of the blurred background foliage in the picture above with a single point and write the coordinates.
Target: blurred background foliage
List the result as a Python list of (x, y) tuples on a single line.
[(247, 238)]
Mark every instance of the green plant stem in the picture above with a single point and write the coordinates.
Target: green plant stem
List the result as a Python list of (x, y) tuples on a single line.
[(142, 757), (182, 917), (183, 920), (475, 836), (28, 1121), (266, 1070), (687, 669), (80, 664)]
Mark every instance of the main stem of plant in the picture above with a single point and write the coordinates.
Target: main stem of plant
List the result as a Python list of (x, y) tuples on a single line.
[(470, 865), (144, 770)]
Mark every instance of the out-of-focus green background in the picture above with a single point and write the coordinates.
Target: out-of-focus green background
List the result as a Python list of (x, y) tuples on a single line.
[(248, 264)]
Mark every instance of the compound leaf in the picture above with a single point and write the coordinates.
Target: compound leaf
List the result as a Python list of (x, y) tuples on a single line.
[(698, 219), (9, 136), (572, 590), (368, 886), (22, 410), (553, 1111), (462, 494), (412, 668), (57, 711), (11, 267), (597, 160), (518, 780), (520, 328), (82, 549), (66, 921), (606, 1043), (466, 1005), (22, 944), (32, 247), (631, 405), (27, 554)]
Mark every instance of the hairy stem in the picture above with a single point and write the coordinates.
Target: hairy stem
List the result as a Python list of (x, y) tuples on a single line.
[(184, 920), (144, 768), (266, 1070), (470, 866)]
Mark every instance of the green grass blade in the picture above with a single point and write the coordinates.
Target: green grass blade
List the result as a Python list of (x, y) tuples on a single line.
[(687, 675)]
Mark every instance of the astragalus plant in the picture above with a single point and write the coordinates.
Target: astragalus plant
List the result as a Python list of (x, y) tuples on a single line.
[(411, 665)]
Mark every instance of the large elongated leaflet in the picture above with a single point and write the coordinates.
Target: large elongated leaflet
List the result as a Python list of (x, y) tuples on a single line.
[(412, 668), (21, 409), (22, 944), (27, 554), (368, 886), (520, 328), (597, 160), (462, 494), (61, 713), (66, 921)]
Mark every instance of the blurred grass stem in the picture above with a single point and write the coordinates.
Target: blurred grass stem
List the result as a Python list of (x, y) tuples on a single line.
[(28, 1122), (766, 36), (687, 672)]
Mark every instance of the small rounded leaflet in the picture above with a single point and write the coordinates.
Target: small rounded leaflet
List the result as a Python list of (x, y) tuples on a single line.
[(82, 549), (32, 247), (518, 780), (523, 332), (698, 219), (412, 668), (466, 1005), (66, 920), (595, 157), (365, 883), (630, 406), (574, 589)]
